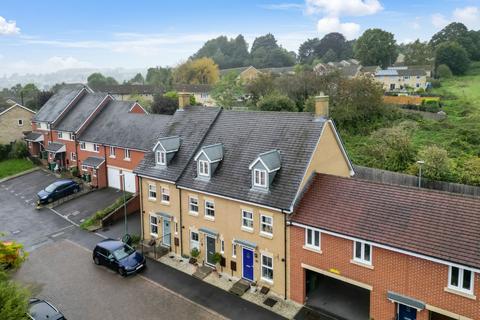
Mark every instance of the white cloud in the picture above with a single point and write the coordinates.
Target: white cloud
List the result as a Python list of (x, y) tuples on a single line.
[(439, 20), (338, 8), (469, 16), (415, 24), (332, 24), (58, 63), (51, 64), (282, 6), (8, 27)]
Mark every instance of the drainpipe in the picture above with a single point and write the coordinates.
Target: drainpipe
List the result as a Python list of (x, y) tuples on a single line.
[(285, 249), (105, 159), (141, 208), (181, 222)]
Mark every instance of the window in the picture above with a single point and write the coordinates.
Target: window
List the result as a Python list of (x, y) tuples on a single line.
[(152, 192), (266, 225), (203, 168), (461, 280), (312, 239), (418, 85), (83, 146), (222, 246), (161, 158), (20, 122), (193, 205), (247, 220), (73, 156), (209, 209), (96, 147), (176, 227), (60, 135), (112, 152), (84, 167), (362, 252), (267, 268), (259, 178), (71, 136), (234, 250), (194, 240), (127, 154), (153, 225), (165, 195)]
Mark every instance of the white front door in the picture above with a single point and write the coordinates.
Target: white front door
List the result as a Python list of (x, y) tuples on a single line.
[(114, 178), (130, 182)]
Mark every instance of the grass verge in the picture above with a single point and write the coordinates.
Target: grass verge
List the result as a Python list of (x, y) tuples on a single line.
[(14, 166)]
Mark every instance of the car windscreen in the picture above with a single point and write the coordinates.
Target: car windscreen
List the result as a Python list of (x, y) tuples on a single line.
[(51, 187), (123, 252)]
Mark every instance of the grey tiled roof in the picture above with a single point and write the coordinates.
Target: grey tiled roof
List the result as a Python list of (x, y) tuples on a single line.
[(169, 143), (33, 136), (213, 152), (129, 89), (115, 126), (93, 162), (271, 159), (191, 124), (80, 112), (193, 88), (57, 103), (54, 147), (412, 72), (244, 136)]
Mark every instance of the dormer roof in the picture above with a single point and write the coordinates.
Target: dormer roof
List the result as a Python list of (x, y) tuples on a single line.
[(168, 144), (271, 160), (213, 153)]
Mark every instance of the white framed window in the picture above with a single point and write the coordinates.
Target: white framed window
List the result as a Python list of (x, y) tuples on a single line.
[(165, 195), (234, 250), (127, 154), (112, 152), (460, 279), (362, 252), (266, 225), (247, 220), (222, 246), (161, 158), (73, 156), (153, 225), (60, 135), (83, 146), (71, 136), (203, 168), (312, 239), (260, 178), (193, 205), (84, 167), (96, 147), (267, 268), (152, 192), (20, 122), (194, 243), (209, 209)]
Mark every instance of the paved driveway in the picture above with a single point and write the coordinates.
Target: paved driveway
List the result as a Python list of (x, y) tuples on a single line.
[(64, 274)]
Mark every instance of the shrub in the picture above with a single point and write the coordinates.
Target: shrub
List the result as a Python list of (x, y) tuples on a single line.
[(195, 253), (74, 171), (19, 150), (435, 83), (13, 299), (100, 214), (216, 258), (276, 102), (437, 163), (5, 150), (471, 171), (444, 72)]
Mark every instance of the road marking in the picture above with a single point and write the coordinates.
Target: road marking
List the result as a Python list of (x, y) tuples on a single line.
[(74, 213), (66, 218), (57, 234)]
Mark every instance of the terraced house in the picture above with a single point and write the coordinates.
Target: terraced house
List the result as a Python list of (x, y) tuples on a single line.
[(227, 184)]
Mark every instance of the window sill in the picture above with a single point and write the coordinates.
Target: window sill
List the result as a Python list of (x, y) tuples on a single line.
[(270, 282), (154, 235), (152, 199), (195, 214), (266, 235), (209, 218), (362, 264), (312, 249), (112, 157), (126, 159), (249, 230), (165, 203), (460, 293)]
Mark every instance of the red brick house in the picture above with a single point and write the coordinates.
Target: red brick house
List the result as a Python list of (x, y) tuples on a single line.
[(365, 250)]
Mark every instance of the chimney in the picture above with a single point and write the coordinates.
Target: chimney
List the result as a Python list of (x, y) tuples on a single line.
[(183, 100), (321, 106)]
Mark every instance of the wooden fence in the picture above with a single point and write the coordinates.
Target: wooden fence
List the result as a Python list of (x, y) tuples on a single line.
[(390, 177)]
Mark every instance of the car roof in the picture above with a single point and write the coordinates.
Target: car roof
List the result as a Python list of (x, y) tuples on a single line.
[(110, 244), (41, 309), (63, 181)]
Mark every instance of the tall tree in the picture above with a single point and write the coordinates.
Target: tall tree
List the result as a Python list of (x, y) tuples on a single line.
[(454, 56), (458, 32), (197, 71), (266, 53), (138, 79), (376, 47), (333, 41), (97, 79), (306, 52), (417, 53), (227, 53), (159, 77), (228, 91)]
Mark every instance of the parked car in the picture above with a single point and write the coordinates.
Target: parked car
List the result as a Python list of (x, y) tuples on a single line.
[(118, 256), (43, 310), (57, 190)]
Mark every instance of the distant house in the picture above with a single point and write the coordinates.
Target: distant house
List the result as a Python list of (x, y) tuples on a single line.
[(348, 68), (427, 68), (369, 71), (129, 91), (14, 120), (400, 79), (201, 92), (250, 73)]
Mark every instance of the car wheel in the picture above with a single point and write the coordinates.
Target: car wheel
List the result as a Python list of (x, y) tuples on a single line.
[(96, 261), (50, 200), (122, 272), (75, 190)]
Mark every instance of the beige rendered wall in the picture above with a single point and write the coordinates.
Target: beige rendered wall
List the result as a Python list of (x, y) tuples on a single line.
[(9, 128)]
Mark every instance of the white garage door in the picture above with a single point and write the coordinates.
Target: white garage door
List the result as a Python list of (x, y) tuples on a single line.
[(114, 178), (130, 182)]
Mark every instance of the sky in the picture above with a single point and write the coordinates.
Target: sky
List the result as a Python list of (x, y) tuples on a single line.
[(50, 35)]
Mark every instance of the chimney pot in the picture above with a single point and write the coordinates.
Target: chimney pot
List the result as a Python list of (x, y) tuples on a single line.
[(321, 106)]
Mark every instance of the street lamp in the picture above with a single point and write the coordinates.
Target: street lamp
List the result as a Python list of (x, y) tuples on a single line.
[(122, 175), (420, 164)]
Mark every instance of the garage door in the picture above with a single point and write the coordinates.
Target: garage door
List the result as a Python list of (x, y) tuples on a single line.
[(114, 178), (130, 182)]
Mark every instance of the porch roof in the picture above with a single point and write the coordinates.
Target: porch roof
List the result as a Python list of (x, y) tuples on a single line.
[(56, 147), (93, 162), (34, 137)]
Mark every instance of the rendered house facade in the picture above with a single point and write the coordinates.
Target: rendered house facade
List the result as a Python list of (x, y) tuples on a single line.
[(14, 120)]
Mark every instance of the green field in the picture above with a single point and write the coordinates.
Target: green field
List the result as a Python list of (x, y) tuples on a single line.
[(459, 133), (14, 166)]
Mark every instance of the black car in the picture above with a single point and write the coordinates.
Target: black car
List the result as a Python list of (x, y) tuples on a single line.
[(43, 310), (118, 256), (57, 190)]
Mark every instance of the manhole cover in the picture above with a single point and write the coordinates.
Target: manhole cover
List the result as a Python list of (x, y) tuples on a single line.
[(270, 302), (16, 231), (264, 290)]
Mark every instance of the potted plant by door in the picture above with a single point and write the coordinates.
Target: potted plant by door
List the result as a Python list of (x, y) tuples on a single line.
[(216, 258), (194, 253)]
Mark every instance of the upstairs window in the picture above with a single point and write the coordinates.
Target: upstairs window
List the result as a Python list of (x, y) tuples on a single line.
[(362, 252), (96, 147), (112, 152), (247, 220), (60, 135), (260, 178), (127, 154), (193, 205), (460, 280), (161, 158), (20, 122), (71, 136), (312, 239), (165, 195), (203, 168), (83, 146), (266, 225), (209, 209), (152, 192)]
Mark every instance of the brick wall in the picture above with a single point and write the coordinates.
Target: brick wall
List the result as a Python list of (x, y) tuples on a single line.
[(414, 277)]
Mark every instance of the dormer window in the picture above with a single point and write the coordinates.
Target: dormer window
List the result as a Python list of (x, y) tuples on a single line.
[(260, 178), (203, 168), (208, 159), (264, 168), (165, 149)]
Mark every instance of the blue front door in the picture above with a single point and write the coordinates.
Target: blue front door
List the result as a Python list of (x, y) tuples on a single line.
[(247, 264), (406, 312)]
